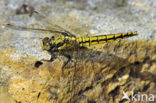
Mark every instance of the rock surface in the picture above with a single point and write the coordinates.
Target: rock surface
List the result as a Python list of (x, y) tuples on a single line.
[(99, 74)]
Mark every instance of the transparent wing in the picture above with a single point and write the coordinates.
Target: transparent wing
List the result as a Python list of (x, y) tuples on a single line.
[(50, 27), (12, 26), (48, 24)]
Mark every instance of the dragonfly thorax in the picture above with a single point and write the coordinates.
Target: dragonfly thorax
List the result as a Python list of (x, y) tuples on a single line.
[(53, 43)]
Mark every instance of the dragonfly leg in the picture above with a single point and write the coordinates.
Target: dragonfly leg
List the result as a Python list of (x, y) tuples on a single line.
[(69, 59)]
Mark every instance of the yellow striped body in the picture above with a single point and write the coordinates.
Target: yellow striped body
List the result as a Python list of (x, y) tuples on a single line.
[(88, 41), (66, 42)]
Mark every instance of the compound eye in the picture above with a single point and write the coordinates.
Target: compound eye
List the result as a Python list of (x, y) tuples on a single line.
[(45, 41)]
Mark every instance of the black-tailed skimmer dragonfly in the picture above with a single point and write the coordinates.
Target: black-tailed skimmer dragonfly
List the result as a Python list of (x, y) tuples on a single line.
[(67, 41)]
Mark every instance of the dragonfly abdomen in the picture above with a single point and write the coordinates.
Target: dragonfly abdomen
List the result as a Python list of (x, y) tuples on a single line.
[(87, 41)]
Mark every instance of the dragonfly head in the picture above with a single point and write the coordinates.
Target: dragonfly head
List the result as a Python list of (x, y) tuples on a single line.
[(45, 44)]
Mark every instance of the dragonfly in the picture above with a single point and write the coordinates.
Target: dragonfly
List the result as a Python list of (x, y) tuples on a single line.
[(66, 41)]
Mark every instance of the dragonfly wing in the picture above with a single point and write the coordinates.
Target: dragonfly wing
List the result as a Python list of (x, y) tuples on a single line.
[(48, 24), (24, 28), (50, 27)]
